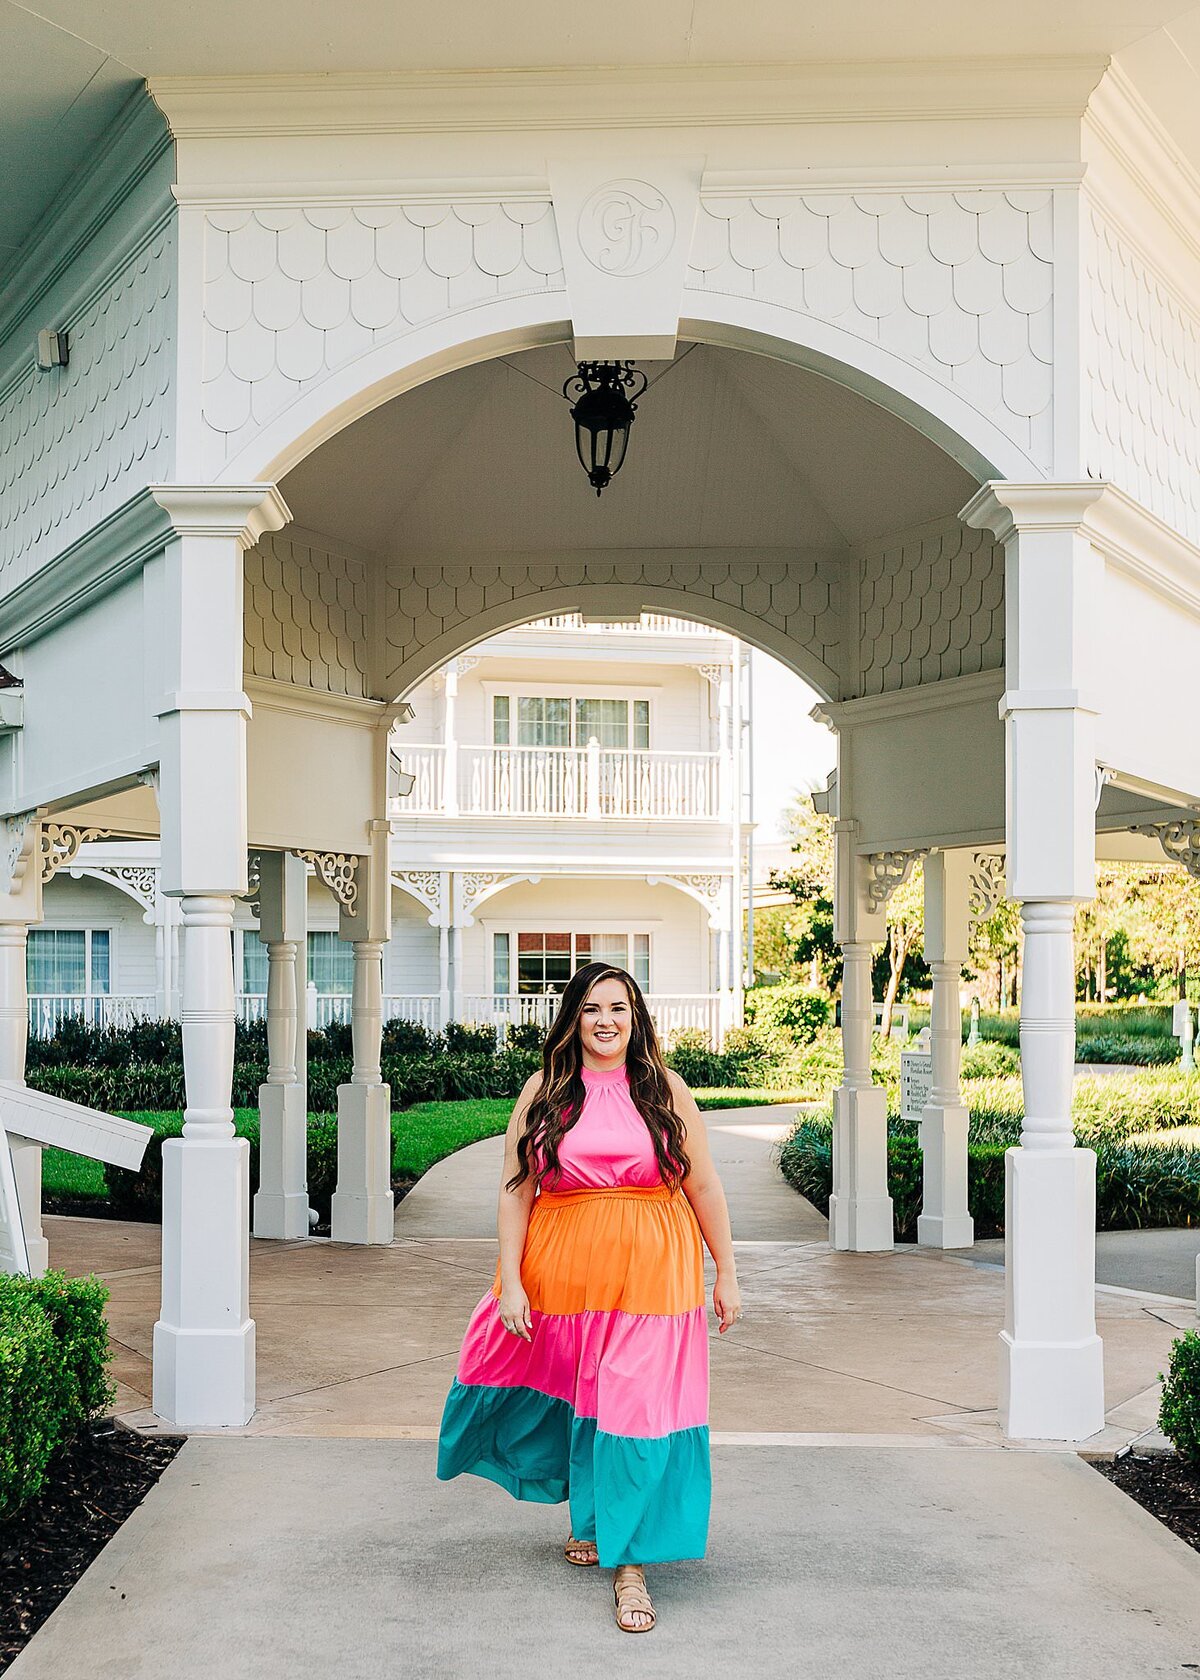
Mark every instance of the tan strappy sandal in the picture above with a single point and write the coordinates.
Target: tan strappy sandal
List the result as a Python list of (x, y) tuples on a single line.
[(626, 1595), (574, 1545)]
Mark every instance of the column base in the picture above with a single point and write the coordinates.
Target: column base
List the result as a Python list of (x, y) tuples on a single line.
[(204, 1338), (860, 1209), (1051, 1359), (281, 1201), (204, 1379), (363, 1206), (943, 1135), (1051, 1392)]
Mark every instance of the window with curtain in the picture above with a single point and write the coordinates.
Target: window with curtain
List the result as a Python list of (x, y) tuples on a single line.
[(557, 721), (546, 960), (330, 964), (543, 721), (254, 964), (71, 962)]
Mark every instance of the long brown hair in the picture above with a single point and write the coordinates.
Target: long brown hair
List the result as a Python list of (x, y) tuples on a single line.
[(557, 1103)]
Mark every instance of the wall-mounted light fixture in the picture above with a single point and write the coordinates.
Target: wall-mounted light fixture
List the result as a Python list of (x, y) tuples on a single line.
[(53, 350)]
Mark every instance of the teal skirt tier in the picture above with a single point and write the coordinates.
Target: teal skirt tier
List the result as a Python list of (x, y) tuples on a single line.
[(656, 1490)]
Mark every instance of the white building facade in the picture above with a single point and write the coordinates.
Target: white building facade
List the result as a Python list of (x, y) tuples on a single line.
[(573, 799), (922, 422)]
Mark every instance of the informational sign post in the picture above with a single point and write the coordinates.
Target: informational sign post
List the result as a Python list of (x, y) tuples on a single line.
[(916, 1082)]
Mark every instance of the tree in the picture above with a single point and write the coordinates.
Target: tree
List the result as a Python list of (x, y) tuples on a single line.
[(906, 934), (797, 940), (1163, 923)]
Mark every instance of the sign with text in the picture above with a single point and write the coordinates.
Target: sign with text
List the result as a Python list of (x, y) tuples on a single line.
[(916, 1082)]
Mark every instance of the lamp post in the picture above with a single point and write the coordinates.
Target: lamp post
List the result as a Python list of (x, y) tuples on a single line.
[(605, 403)]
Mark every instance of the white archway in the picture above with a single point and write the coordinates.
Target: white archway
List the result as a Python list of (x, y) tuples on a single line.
[(525, 323)]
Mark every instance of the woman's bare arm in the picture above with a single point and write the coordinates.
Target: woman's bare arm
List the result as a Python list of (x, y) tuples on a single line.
[(512, 1216)]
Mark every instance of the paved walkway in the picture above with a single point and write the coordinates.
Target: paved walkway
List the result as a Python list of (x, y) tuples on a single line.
[(868, 1521), (301, 1560), (363, 1342)]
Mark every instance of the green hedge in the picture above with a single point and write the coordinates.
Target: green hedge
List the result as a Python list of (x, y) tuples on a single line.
[(158, 1086), (54, 1356), (1141, 1181)]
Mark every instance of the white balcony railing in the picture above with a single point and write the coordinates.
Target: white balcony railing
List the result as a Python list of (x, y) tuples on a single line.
[(325, 1007), (670, 1013), (658, 624), (589, 782), (48, 1011)]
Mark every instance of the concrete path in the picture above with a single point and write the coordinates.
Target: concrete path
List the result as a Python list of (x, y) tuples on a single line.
[(304, 1560), (457, 1197), (1160, 1262)]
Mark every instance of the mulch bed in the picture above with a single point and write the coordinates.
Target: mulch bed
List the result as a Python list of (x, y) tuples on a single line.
[(94, 1483), (1163, 1485)]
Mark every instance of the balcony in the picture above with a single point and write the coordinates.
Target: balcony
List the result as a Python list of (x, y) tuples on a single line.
[(592, 782), (671, 1014), (657, 624), (48, 1010)]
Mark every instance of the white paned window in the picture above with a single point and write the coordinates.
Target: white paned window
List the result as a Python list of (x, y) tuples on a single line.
[(330, 964), (543, 721), (546, 961), (70, 962), (254, 965), (570, 721), (501, 963)]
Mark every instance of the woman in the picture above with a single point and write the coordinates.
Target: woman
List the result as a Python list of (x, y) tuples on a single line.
[(584, 1369)]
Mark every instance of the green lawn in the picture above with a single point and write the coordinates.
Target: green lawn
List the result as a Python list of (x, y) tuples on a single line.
[(421, 1135)]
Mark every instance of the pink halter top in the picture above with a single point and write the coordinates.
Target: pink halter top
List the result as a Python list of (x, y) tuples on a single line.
[(609, 1145)]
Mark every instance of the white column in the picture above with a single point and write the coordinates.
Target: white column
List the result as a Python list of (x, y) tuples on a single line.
[(456, 993), (450, 739), (860, 1208), (14, 1039), (443, 967), (204, 1337), (737, 894), (1052, 1384), (281, 1201), (944, 1221), (363, 1203), (1052, 1371)]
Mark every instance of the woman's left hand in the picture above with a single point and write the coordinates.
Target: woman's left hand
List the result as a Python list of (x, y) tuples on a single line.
[(727, 1302)]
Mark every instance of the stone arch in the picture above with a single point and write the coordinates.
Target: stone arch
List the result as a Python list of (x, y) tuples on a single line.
[(510, 325)]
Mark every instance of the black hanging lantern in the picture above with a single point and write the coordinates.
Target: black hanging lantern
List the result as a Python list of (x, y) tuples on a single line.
[(606, 396)]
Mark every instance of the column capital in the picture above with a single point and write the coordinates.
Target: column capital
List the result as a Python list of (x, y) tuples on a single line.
[(1002, 506), (241, 511)]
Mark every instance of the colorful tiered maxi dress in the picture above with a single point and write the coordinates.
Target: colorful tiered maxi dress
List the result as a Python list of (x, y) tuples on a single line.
[(606, 1405)]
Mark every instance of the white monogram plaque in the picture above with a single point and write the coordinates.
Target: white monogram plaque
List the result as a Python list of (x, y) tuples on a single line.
[(626, 228)]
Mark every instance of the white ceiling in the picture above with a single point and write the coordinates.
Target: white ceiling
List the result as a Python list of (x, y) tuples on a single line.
[(66, 65), (728, 450)]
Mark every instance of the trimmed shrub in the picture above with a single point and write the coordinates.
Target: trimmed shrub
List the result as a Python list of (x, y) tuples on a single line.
[(990, 1061), (799, 1012), (806, 1161), (53, 1374), (472, 1037), (1140, 1051), (1179, 1413), (526, 1035), (1147, 1180)]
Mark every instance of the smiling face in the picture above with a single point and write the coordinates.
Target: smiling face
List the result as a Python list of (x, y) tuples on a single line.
[(605, 1022)]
